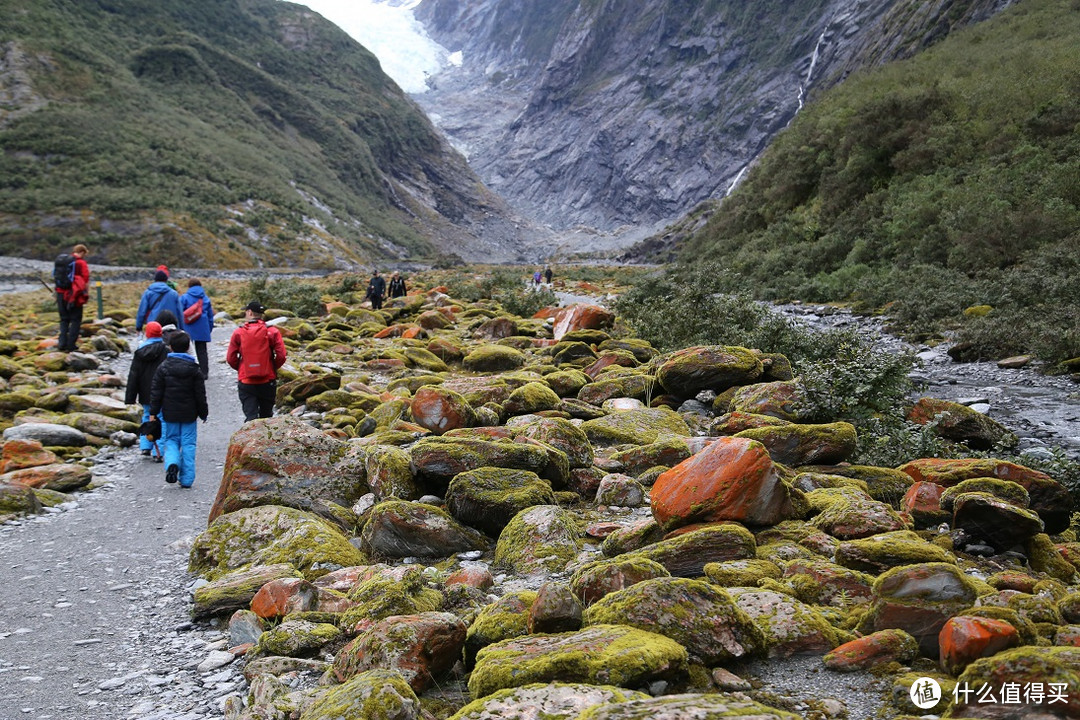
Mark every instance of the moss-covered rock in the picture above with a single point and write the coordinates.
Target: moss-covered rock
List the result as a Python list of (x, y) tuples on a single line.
[(493, 358), (389, 473), (235, 590), (698, 615), (503, 619), (553, 701), (687, 553), (565, 436), (441, 458), (598, 578), (1010, 492), (567, 383), (600, 654), (539, 539), (687, 372), (669, 452), (1055, 669), (744, 573), (784, 399), (488, 498), (637, 427), (878, 553), (271, 535), (804, 444), (687, 705), (532, 397), (371, 695), (296, 638), (629, 385), (400, 529), (382, 596)]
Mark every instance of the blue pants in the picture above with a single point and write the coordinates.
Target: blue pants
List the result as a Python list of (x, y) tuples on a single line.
[(145, 444), (179, 448)]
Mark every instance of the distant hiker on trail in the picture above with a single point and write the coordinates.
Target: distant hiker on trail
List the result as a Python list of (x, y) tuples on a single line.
[(140, 380), (168, 281), (178, 395), (159, 296), (397, 286), (71, 276), (198, 321), (547, 274), (256, 351), (376, 290), (536, 278)]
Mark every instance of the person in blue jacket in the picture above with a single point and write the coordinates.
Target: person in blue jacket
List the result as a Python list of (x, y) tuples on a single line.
[(159, 296), (198, 329)]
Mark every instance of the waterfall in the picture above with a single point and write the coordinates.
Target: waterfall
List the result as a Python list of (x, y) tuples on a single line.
[(813, 62), (735, 182)]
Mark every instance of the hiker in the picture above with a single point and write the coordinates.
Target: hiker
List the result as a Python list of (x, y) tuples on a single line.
[(168, 323), (178, 395), (536, 278), (397, 286), (157, 297), (256, 351), (168, 280), (71, 276), (198, 321), (140, 379), (376, 290), (547, 274)]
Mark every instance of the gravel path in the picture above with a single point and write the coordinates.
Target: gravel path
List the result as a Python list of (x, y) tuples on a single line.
[(95, 623)]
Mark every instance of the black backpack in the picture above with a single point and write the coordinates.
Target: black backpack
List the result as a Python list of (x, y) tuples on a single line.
[(64, 271)]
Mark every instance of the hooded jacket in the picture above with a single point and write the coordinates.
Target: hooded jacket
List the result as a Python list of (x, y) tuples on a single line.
[(200, 329), (79, 292), (156, 298), (178, 393), (144, 364)]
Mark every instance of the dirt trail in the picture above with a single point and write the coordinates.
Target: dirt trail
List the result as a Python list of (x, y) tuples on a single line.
[(93, 596)]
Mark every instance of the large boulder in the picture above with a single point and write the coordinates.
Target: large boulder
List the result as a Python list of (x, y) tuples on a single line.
[(379, 693), (48, 434), (493, 358), (600, 654), (1054, 670), (731, 479), (439, 409), (699, 616), (581, 317), (488, 498), (551, 701), (685, 554), (235, 590), (18, 499), (878, 553), (563, 435), (789, 627), (796, 444), (284, 461), (269, 535), (687, 372), (389, 473), (919, 599), (399, 529), (685, 706), (785, 400), (960, 422), (594, 580), (539, 540), (62, 477), (636, 427), (439, 459), (20, 454), (422, 648)]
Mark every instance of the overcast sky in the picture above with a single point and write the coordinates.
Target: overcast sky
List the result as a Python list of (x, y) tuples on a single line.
[(392, 33)]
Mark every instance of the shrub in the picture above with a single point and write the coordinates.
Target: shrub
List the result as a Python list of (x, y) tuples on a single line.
[(303, 299)]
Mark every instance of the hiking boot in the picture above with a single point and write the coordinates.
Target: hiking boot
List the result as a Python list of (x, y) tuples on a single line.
[(146, 453), (158, 459), (172, 473)]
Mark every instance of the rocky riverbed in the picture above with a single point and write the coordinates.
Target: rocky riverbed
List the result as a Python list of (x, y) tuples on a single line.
[(486, 506)]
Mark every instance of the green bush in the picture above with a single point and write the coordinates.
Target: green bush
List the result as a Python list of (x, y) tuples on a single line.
[(303, 299), (525, 302)]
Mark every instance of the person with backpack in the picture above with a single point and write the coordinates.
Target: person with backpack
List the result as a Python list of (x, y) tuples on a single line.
[(397, 286), (144, 363), (157, 297), (256, 351), (376, 290), (178, 395), (71, 276), (198, 321), (168, 278)]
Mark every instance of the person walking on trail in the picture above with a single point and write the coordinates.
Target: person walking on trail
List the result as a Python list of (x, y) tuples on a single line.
[(159, 296), (168, 280), (397, 286), (536, 279), (547, 274), (376, 290), (256, 351), (71, 276), (144, 364), (198, 321), (178, 395)]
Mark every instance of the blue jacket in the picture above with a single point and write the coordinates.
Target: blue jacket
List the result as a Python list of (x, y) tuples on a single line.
[(200, 329), (156, 298)]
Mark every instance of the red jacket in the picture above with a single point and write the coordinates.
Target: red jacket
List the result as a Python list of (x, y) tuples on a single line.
[(79, 292), (256, 351)]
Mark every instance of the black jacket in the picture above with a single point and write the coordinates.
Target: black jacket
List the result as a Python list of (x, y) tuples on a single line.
[(397, 287), (141, 374), (376, 287), (178, 393)]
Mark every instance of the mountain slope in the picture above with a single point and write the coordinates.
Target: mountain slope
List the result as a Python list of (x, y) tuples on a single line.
[(612, 113), (940, 183), (225, 132)]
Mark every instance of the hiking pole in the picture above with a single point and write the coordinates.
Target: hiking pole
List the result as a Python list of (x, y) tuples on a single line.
[(47, 285)]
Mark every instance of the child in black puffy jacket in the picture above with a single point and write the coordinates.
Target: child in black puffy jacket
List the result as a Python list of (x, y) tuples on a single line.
[(178, 394), (144, 365)]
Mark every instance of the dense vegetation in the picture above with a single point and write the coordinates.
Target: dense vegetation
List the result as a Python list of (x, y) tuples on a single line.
[(929, 187), (205, 132)]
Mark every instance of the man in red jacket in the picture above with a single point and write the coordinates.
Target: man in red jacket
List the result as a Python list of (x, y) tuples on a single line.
[(70, 299), (256, 351)]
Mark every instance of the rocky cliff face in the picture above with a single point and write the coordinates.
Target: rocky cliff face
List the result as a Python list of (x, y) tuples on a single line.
[(618, 113)]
